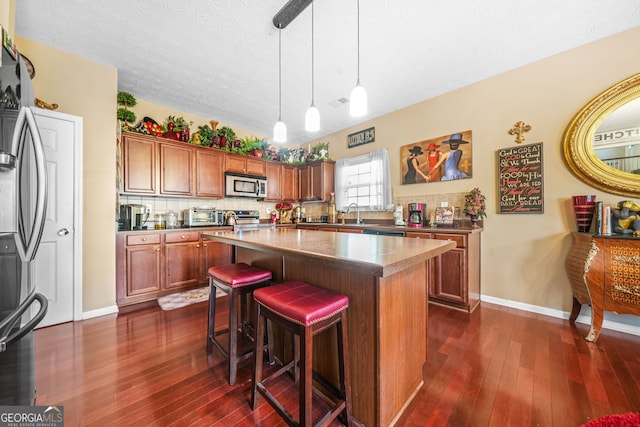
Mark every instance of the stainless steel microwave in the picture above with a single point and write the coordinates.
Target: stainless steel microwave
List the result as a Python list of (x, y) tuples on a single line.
[(245, 185)]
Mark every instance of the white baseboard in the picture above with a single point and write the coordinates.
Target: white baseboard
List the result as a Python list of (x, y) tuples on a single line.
[(100, 312), (622, 323)]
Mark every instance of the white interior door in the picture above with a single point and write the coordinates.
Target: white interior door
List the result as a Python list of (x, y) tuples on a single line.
[(57, 266)]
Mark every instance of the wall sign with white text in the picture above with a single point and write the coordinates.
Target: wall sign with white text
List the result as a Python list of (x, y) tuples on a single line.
[(520, 179), (362, 137)]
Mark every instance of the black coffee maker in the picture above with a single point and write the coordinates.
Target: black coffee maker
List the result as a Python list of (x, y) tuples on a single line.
[(132, 217), (417, 214)]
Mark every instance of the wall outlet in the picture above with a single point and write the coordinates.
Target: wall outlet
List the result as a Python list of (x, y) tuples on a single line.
[(268, 211), (147, 209)]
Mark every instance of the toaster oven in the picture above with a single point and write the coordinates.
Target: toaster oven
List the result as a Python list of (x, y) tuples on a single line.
[(202, 217)]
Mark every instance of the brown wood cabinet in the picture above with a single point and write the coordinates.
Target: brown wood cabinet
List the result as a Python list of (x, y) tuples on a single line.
[(159, 166), (604, 272), (140, 270), (273, 172), (244, 164), (289, 183), (316, 180), (209, 176), (183, 259), (282, 182), (176, 169), (214, 254), (454, 276), (138, 164), (150, 264)]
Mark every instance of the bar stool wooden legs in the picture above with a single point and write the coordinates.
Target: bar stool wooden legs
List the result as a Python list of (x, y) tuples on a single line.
[(305, 310), (237, 280)]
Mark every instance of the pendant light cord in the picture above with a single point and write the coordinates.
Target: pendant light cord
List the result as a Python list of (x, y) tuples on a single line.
[(312, 59), (358, 38), (280, 73)]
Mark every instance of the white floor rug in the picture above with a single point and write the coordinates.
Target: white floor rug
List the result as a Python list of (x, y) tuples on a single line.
[(182, 299)]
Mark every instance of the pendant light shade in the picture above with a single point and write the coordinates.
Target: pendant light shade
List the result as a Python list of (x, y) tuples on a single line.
[(312, 117), (358, 100), (280, 132), (280, 129)]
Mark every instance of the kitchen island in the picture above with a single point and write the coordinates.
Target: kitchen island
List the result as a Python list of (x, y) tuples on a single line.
[(384, 278)]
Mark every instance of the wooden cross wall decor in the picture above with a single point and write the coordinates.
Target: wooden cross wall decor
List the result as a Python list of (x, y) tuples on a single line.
[(519, 129)]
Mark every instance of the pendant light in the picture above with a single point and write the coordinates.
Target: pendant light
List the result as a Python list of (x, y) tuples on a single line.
[(358, 99), (280, 129), (312, 117)]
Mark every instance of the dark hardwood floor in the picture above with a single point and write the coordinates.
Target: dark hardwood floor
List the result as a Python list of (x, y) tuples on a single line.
[(495, 367)]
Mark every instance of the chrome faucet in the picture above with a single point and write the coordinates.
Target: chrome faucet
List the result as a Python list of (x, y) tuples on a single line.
[(358, 221)]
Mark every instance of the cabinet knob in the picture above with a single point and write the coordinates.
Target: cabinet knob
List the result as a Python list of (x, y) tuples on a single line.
[(183, 237), (144, 239), (197, 246), (158, 250), (204, 245)]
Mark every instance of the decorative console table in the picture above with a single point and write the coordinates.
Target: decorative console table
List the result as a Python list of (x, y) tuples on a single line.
[(604, 272)]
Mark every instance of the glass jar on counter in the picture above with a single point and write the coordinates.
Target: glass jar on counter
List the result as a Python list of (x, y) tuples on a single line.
[(172, 219), (160, 222)]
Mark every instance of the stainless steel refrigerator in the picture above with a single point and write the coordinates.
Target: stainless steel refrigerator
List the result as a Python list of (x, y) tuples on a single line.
[(23, 204)]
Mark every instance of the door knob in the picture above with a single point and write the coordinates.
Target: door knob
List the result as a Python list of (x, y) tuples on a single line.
[(63, 232)]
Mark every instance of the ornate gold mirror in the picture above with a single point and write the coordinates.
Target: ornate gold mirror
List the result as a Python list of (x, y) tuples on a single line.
[(602, 142)]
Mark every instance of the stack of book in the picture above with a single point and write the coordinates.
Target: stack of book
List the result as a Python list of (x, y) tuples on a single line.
[(602, 216)]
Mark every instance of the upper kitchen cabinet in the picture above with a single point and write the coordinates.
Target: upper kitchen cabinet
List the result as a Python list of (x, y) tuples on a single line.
[(138, 164), (289, 184), (176, 169), (209, 176), (244, 164), (274, 181), (316, 181), (158, 166), (282, 182)]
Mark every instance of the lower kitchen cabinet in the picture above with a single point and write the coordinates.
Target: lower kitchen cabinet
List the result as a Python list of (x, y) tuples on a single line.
[(183, 259), (140, 266), (454, 276), (150, 264), (214, 254)]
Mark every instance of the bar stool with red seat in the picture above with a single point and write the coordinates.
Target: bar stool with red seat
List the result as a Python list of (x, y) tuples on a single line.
[(236, 280), (305, 310)]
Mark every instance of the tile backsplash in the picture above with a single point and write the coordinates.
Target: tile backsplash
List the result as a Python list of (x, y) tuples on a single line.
[(162, 205)]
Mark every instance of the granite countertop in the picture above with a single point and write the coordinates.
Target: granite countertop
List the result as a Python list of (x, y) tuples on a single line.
[(465, 228), (378, 255)]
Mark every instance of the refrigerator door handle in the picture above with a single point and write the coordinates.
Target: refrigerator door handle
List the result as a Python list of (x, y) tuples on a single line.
[(17, 314), (28, 245)]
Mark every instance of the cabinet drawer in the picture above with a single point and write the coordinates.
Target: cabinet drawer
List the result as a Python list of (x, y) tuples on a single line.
[(143, 239), (460, 239), (182, 236)]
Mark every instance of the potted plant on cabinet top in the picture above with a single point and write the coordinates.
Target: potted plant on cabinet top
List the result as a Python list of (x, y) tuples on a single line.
[(227, 136), (254, 146), (126, 116), (475, 205), (176, 128)]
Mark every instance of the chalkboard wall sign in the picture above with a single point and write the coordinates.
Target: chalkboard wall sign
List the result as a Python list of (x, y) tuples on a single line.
[(520, 179)]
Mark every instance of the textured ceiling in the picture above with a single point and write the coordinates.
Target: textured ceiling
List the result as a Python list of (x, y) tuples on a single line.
[(219, 58)]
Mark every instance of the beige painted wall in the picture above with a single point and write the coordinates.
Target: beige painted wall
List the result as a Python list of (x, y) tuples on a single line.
[(160, 112), (87, 89), (522, 255)]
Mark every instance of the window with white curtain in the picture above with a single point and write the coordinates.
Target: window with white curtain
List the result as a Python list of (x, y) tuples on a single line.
[(364, 180)]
